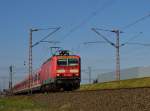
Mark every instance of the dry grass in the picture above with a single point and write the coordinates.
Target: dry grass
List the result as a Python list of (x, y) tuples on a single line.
[(131, 83)]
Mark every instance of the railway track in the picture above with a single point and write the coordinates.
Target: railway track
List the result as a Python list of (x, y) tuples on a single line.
[(90, 91)]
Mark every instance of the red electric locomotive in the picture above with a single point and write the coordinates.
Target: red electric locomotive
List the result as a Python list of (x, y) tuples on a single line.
[(61, 71)]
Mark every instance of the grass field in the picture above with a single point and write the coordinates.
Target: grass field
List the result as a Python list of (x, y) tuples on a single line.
[(19, 103), (131, 83)]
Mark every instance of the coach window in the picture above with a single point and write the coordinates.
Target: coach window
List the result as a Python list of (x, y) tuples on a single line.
[(38, 76), (35, 77), (62, 62)]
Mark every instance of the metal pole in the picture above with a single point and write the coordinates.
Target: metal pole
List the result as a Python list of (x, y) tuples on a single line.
[(89, 68), (10, 79), (4, 83), (30, 53), (30, 58), (117, 46), (117, 55)]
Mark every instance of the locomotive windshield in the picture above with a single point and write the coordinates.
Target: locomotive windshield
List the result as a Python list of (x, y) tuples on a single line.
[(67, 62), (62, 62), (72, 62)]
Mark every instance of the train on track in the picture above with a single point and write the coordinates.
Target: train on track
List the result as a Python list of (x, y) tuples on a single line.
[(61, 71)]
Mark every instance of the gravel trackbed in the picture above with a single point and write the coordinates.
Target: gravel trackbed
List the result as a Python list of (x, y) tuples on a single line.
[(105, 100)]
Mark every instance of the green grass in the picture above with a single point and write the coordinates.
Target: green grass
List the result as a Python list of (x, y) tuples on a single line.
[(131, 83), (18, 103)]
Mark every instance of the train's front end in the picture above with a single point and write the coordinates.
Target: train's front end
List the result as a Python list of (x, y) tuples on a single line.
[(68, 71)]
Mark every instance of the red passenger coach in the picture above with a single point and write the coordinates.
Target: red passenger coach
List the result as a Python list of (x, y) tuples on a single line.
[(61, 71)]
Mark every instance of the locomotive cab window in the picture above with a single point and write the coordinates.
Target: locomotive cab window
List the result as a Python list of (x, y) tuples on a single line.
[(62, 62), (67, 62), (72, 62)]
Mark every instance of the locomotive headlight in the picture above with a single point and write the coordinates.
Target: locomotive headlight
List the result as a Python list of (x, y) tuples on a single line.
[(58, 74), (60, 71), (76, 74), (74, 70)]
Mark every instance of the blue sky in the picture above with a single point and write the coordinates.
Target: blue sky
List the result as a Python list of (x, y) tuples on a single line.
[(18, 16)]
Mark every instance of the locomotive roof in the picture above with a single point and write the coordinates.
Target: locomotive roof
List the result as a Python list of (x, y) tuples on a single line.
[(57, 56)]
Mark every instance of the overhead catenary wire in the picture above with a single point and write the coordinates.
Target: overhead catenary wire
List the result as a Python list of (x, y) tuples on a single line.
[(91, 15), (135, 22), (42, 29), (78, 48), (47, 36), (104, 37), (137, 43), (137, 50), (107, 30), (85, 21), (111, 43), (132, 38), (85, 43)]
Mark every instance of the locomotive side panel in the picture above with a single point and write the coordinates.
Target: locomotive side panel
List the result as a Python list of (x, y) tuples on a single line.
[(48, 71)]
